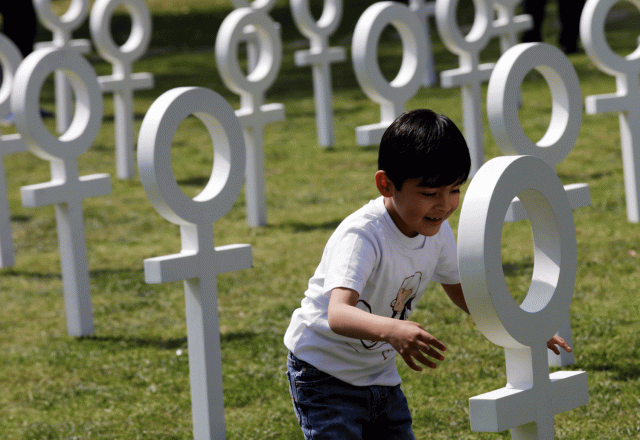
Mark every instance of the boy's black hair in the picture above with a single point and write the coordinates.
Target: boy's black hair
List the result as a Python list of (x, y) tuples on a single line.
[(423, 144)]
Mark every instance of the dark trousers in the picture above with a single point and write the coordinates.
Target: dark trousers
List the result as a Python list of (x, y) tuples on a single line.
[(569, 15), (19, 23)]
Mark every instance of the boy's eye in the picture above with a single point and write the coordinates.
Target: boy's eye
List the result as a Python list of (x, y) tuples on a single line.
[(428, 194)]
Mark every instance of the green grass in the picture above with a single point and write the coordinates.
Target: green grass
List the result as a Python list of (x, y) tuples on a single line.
[(130, 380)]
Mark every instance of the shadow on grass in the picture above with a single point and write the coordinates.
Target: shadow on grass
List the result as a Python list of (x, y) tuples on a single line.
[(12, 272), (624, 371), (516, 268), (199, 181), (308, 227), (128, 342)]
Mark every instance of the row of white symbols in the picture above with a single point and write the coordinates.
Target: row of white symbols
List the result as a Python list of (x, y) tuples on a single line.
[(122, 83), (532, 397), (254, 114), (20, 94), (67, 189), (416, 68), (414, 72)]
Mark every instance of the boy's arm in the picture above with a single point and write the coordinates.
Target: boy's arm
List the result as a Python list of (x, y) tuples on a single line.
[(409, 339), (454, 291)]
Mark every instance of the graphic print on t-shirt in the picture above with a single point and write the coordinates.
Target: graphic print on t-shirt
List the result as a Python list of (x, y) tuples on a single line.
[(400, 309), (406, 295)]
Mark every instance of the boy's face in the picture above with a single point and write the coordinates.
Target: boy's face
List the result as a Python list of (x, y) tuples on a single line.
[(419, 209)]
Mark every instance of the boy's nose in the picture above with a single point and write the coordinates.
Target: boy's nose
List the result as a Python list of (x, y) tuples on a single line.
[(443, 203)]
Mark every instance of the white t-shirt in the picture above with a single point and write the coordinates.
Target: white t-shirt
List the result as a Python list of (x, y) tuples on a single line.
[(390, 271)]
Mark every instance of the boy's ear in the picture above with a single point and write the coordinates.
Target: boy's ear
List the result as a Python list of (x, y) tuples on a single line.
[(384, 184)]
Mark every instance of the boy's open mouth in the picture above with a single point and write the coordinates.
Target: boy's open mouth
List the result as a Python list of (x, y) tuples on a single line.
[(433, 219)]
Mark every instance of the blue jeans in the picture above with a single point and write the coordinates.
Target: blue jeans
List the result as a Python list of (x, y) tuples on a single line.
[(330, 409)]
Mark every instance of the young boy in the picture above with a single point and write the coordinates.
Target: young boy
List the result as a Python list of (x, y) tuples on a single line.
[(343, 339)]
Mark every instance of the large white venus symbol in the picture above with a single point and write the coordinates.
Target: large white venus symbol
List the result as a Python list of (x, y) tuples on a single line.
[(253, 112), (123, 82), (566, 116), (62, 28), (320, 56), (626, 100), (532, 397), (10, 57), (393, 95), (199, 262), (67, 189)]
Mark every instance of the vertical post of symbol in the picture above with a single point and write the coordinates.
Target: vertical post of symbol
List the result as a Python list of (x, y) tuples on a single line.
[(471, 73), (566, 116), (393, 95), (253, 112), (62, 29), (532, 397), (10, 57), (425, 10), (626, 101), (199, 262), (320, 56), (67, 189), (508, 25), (122, 82)]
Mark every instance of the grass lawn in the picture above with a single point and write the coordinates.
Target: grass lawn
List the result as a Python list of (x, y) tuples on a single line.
[(131, 379)]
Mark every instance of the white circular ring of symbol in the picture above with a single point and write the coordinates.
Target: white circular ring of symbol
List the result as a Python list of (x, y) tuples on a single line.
[(139, 38), (154, 155), (592, 32), (25, 103), (480, 33), (231, 34), (72, 19), (10, 57), (366, 37), (494, 310), (325, 26), (504, 99)]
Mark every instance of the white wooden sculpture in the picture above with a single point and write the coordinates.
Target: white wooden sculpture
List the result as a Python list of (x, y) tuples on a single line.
[(320, 57), (393, 95), (471, 74), (122, 82), (566, 116), (626, 100), (532, 396), (425, 10), (10, 58), (253, 112), (62, 28), (67, 189), (199, 262)]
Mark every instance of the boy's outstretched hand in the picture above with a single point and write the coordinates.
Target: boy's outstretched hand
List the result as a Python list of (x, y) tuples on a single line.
[(412, 342), (555, 342), (409, 338)]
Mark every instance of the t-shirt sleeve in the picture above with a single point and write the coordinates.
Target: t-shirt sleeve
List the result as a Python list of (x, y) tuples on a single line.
[(446, 271), (350, 261)]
